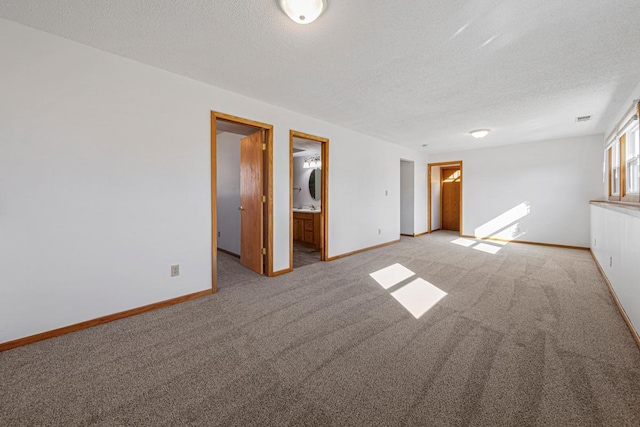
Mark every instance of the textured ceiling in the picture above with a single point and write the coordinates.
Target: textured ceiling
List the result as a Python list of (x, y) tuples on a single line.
[(412, 72), (306, 147)]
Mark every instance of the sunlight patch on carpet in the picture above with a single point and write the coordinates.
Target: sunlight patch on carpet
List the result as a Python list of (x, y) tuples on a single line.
[(490, 249), (418, 297), (392, 275), (464, 242)]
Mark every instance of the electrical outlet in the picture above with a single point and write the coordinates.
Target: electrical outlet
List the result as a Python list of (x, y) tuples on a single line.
[(218, 234), (379, 231), (386, 192), (610, 261), (175, 270)]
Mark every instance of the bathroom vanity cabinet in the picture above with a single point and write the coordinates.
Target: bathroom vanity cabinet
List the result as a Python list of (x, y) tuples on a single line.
[(306, 229)]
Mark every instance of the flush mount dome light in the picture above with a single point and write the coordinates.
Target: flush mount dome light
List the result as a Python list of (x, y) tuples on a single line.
[(480, 133), (303, 11)]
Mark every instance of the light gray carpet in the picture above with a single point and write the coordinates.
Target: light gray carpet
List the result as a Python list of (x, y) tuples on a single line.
[(528, 336), (232, 273)]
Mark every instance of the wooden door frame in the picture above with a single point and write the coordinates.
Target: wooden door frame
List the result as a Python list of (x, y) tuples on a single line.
[(324, 198), (452, 163), (268, 171)]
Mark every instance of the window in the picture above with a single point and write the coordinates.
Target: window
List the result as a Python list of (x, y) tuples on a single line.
[(624, 166), (632, 178), (614, 171)]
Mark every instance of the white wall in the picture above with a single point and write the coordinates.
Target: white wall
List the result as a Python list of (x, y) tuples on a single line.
[(435, 197), (407, 196), (614, 236), (301, 175), (536, 192), (615, 244), (105, 182), (228, 171)]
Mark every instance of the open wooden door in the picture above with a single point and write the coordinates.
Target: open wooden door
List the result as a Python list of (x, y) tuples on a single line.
[(251, 189), (450, 199)]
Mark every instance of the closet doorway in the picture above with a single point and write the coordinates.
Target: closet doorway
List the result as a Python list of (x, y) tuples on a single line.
[(445, 196), (309, 199), (241, 196)]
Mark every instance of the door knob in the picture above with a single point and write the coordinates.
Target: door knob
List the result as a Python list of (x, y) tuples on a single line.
[(240, 208)]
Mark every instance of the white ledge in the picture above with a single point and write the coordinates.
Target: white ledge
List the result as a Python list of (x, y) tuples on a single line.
[(631, 209)]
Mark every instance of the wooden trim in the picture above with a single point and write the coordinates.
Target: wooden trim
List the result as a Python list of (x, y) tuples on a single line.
[(553, 245), (609, 163), (363, 250), (214, 206), (451, 163), (614, 296), (324, 198), (228, 252), (100, 320), (611, 196), (241, 121), (291, 200), (420, 234), (281, 272), (268, 221), (408, 235), (308, 136), (437, 229), (324, 234)]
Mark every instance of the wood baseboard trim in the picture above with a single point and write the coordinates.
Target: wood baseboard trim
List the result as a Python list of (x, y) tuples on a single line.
[(524, 242), (437, 229), (99, 321), (363, 250), (623, 313), (415, 234), (228, 252), (281, 272)]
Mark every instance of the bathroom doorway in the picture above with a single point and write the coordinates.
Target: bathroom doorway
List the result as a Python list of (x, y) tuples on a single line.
[(241, 199), (308, 183), (445, 196)]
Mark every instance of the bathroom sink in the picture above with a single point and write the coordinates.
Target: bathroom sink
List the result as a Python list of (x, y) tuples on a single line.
[(307, 210)]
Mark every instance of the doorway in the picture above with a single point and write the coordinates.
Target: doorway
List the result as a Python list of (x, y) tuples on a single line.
[(450, 198), (309, 199), (407, 170), (445, 196), (241, 195)]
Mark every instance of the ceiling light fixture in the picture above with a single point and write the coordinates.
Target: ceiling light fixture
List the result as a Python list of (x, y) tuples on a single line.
[(303, 11), (480, 133)]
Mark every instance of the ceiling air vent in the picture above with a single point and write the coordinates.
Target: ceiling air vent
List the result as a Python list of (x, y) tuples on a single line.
[(583, 119)]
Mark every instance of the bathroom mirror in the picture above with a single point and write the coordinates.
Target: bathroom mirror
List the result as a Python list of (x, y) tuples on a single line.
[(315, 179)]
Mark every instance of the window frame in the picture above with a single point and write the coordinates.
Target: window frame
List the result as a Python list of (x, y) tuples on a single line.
[(627, 196), (610, 152), (619, 147)]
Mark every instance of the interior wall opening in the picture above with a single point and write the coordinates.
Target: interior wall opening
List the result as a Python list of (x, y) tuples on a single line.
[(407, 211), (309, 199), (241, 200), (445, 196)]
